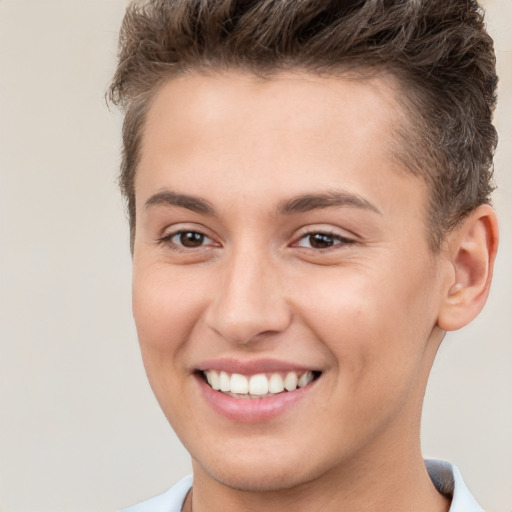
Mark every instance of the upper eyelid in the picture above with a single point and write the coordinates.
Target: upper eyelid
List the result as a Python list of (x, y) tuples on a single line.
[(184, 227), (322, 232), (331, 231)]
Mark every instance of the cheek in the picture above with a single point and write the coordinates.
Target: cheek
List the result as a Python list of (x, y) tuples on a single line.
[(375, 323), (165, 306), (165, 309)]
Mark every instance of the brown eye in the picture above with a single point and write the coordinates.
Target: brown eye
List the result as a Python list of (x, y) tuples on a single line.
[(321, 240), (189, 239)]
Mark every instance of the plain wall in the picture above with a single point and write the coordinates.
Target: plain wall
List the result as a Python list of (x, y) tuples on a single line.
[(79, 428)]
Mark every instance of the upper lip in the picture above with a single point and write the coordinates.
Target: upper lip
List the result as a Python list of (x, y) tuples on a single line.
[(251, 367)]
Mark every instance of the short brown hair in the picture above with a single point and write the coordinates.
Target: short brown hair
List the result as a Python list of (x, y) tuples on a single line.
[(438, 50)]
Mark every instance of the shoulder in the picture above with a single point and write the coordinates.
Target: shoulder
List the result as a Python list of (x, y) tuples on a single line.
[(170, 501), (448, 481)]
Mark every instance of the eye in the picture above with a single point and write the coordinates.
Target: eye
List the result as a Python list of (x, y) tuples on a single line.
[(186, 239), (322, 240), (189, 239)]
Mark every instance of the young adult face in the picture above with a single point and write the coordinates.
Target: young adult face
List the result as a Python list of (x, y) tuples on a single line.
[(276, 234)]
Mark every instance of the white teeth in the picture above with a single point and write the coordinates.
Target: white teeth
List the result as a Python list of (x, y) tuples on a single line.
[(224, 382), (213, 379), (290, 381), (275, 384), (305, 379), (239, 384), (258, 385)]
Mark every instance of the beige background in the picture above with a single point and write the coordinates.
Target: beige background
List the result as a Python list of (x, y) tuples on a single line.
[(79, 428)]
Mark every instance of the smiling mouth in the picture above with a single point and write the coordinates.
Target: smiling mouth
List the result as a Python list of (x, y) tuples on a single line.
[(260, 385)]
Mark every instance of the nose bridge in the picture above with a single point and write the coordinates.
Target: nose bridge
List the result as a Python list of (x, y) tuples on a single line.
[(249, 301)]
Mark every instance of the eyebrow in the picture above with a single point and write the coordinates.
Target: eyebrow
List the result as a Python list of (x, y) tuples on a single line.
[(195, 204), (299, 204), (308, 202)]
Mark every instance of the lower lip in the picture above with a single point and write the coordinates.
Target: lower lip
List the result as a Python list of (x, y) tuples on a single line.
[(252, 410)]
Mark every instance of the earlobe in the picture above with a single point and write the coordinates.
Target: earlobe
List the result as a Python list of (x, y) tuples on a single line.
[(471, 250)]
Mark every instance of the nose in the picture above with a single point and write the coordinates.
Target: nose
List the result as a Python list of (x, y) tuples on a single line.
[(250, 303)]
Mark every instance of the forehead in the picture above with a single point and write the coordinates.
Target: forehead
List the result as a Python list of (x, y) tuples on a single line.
[(215, 90), (301, 103), (293, 132)]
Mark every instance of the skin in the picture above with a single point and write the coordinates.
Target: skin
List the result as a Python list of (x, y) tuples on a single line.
[(367, 312)]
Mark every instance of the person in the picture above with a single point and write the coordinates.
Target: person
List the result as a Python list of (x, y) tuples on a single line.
[(308, 186)]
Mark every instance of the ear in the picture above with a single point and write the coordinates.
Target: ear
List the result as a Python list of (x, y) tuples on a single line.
[(471, 250)]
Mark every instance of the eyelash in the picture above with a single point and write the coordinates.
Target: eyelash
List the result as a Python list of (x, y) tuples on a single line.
[(168, 239), (334, 240)]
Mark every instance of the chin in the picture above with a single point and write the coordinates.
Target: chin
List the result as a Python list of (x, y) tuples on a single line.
[(260, 472), (265, 479)]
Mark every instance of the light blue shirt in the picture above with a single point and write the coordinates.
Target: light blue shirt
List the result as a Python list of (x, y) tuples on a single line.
[(445, 476)]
